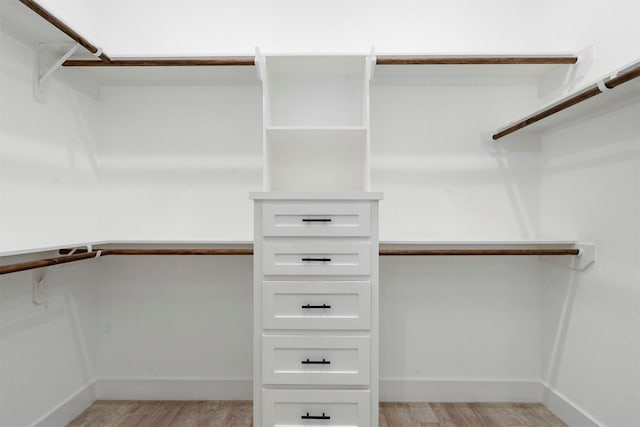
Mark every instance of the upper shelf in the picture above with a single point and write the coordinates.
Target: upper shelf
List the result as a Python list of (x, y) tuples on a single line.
[(215, 71), (39, 25)]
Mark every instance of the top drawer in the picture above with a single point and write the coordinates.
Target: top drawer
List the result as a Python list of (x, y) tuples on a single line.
[(316, 219)]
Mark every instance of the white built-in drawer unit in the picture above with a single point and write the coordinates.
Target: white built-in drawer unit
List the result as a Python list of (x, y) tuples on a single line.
[(316, 360), (316, 219), (316, 309), (345, 408), (316, 305), (341, 257)]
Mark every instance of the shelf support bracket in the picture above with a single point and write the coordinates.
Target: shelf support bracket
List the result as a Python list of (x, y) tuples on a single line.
[(259, 62), (43, 71), (39, 285), (585, 257), (371, 58)]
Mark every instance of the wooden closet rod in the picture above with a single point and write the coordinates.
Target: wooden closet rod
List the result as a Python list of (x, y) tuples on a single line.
[(30, 265), (380, 60), (481, 252), (474, 60), (589, 92), (83, 254), (249, 60), (65, 29)]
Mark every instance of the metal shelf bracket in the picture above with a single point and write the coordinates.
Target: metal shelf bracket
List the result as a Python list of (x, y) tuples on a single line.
[(39, 285)]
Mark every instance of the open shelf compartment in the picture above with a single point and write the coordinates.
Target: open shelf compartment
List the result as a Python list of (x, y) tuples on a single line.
[(316, 90), (316, 159)]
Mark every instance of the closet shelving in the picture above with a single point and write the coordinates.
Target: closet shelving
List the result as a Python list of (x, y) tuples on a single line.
[(346, 125), (390, 248), (316, 122), (106, 70)]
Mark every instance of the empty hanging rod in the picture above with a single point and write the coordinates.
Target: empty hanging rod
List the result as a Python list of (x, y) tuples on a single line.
[(249, 60), (474, 60), (83, 254), (589, 92), (30, 265), (481, 252), (66, 29), (380, 60)]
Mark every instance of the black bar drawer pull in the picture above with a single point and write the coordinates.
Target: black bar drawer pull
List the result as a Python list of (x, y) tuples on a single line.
[(316, 219), (316, 417), (316, 362), (317, 259), (316, 306)]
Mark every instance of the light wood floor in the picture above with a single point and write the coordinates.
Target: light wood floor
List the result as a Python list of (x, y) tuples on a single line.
[(111, 413)]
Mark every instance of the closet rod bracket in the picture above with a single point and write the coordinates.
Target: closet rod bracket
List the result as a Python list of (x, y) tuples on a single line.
[(47, 63), (580, 262), (585, 257)]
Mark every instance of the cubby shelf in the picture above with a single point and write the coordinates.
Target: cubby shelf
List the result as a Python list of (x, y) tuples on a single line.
[(316, 116)]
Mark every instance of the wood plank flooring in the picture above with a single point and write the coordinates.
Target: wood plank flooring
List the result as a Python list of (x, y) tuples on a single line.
[(226, 413)]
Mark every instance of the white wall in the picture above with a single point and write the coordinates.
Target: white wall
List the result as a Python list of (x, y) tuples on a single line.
[(48, 166), (443, 180), (48, 197), (47, 352), (178, 163), (591, 321), (237, 27), (175, 318), (480, 323), (605, 31)]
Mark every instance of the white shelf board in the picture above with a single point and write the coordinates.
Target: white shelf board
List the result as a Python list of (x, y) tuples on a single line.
[(476, 244), (46, 248), (463, 74), (248, 244), (139, 244), (164, 76), (316, 134), (321, 195), (314, 66)]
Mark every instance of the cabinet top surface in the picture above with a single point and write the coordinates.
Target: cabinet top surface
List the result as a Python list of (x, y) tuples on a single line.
[(311, 195)]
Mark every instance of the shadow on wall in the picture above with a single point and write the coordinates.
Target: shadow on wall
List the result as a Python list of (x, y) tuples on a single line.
[(565, 291)]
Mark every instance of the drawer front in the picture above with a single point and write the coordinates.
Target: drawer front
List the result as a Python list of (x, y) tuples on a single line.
[(316, 219), (317, 258), (346, 408), (316, 360), (316, 305)]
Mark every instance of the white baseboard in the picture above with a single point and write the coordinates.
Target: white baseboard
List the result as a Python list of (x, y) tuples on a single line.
[(434, 390), (391, 390), (65, 412), (566, 410), (174, 389)]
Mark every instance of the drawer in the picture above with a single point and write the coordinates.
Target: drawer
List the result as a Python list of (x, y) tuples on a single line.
[(316, 360), (316, 305), (345, 408), (316, 258), (316, 219)]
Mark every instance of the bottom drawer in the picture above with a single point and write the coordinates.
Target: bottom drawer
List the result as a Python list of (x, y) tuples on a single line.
[(289, 408)]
